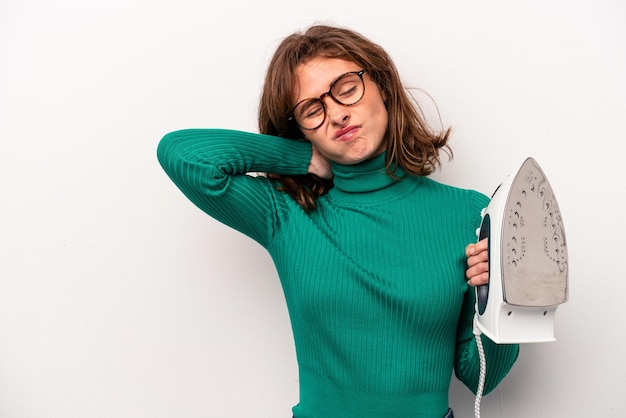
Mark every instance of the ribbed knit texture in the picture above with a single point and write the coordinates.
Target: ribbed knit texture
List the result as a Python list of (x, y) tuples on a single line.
[(374, 278)]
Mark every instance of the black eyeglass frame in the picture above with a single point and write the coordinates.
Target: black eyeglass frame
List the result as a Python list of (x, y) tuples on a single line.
[(329, 94)]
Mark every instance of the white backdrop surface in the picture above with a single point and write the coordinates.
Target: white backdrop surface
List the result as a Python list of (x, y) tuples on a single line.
[(118, 298)]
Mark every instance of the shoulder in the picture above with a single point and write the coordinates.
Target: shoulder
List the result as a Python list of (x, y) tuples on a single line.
[(473, 197), (464, 205)]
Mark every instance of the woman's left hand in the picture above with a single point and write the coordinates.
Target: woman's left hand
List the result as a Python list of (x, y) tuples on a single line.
[(477, 272)]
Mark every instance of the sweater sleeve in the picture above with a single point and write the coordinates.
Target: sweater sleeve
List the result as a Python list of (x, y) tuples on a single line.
[(212, 168), (499, 357)]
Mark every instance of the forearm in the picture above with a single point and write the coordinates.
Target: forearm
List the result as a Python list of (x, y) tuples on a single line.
[(499, 360), (209, 166), (233, 152), (499, 357)]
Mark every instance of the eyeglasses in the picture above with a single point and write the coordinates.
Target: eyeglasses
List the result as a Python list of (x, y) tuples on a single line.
[(347, 90)]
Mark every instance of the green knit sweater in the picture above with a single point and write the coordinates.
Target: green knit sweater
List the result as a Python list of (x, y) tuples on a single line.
[(374, 279)]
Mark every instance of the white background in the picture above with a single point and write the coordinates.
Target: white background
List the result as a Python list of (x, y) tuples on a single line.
[(118, 298)]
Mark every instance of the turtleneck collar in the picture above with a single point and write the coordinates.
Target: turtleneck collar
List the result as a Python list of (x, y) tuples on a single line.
[(368, 182)]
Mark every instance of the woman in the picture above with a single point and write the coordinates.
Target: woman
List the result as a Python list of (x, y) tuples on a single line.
[(372, 255)]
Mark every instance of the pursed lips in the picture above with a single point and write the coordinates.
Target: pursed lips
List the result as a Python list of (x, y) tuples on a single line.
[(346, 134)]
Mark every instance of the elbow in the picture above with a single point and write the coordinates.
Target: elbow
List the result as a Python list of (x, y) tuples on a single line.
[(166, 148)]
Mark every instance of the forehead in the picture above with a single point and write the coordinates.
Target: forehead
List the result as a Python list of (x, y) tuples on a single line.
[(314, 77)]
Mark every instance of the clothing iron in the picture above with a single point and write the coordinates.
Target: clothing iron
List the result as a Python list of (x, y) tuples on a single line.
[(528, 264)]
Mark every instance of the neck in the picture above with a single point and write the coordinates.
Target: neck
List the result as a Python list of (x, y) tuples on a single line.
[(367, 182)]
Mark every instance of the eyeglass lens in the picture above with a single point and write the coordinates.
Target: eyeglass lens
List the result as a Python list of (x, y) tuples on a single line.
[(346, 90)]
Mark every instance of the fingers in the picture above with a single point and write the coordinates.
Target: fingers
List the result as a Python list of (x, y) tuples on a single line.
[(477, 254), (480, 257), (319, 165), (476, 248), (477, 275), (478, 262)]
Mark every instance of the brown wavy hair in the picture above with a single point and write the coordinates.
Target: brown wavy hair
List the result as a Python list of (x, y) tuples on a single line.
[(410, 142)]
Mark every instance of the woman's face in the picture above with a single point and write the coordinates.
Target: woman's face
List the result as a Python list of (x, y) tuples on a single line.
[(349, 134)]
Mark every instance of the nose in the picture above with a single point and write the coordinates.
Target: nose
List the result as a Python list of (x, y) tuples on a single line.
[(335, 112)]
